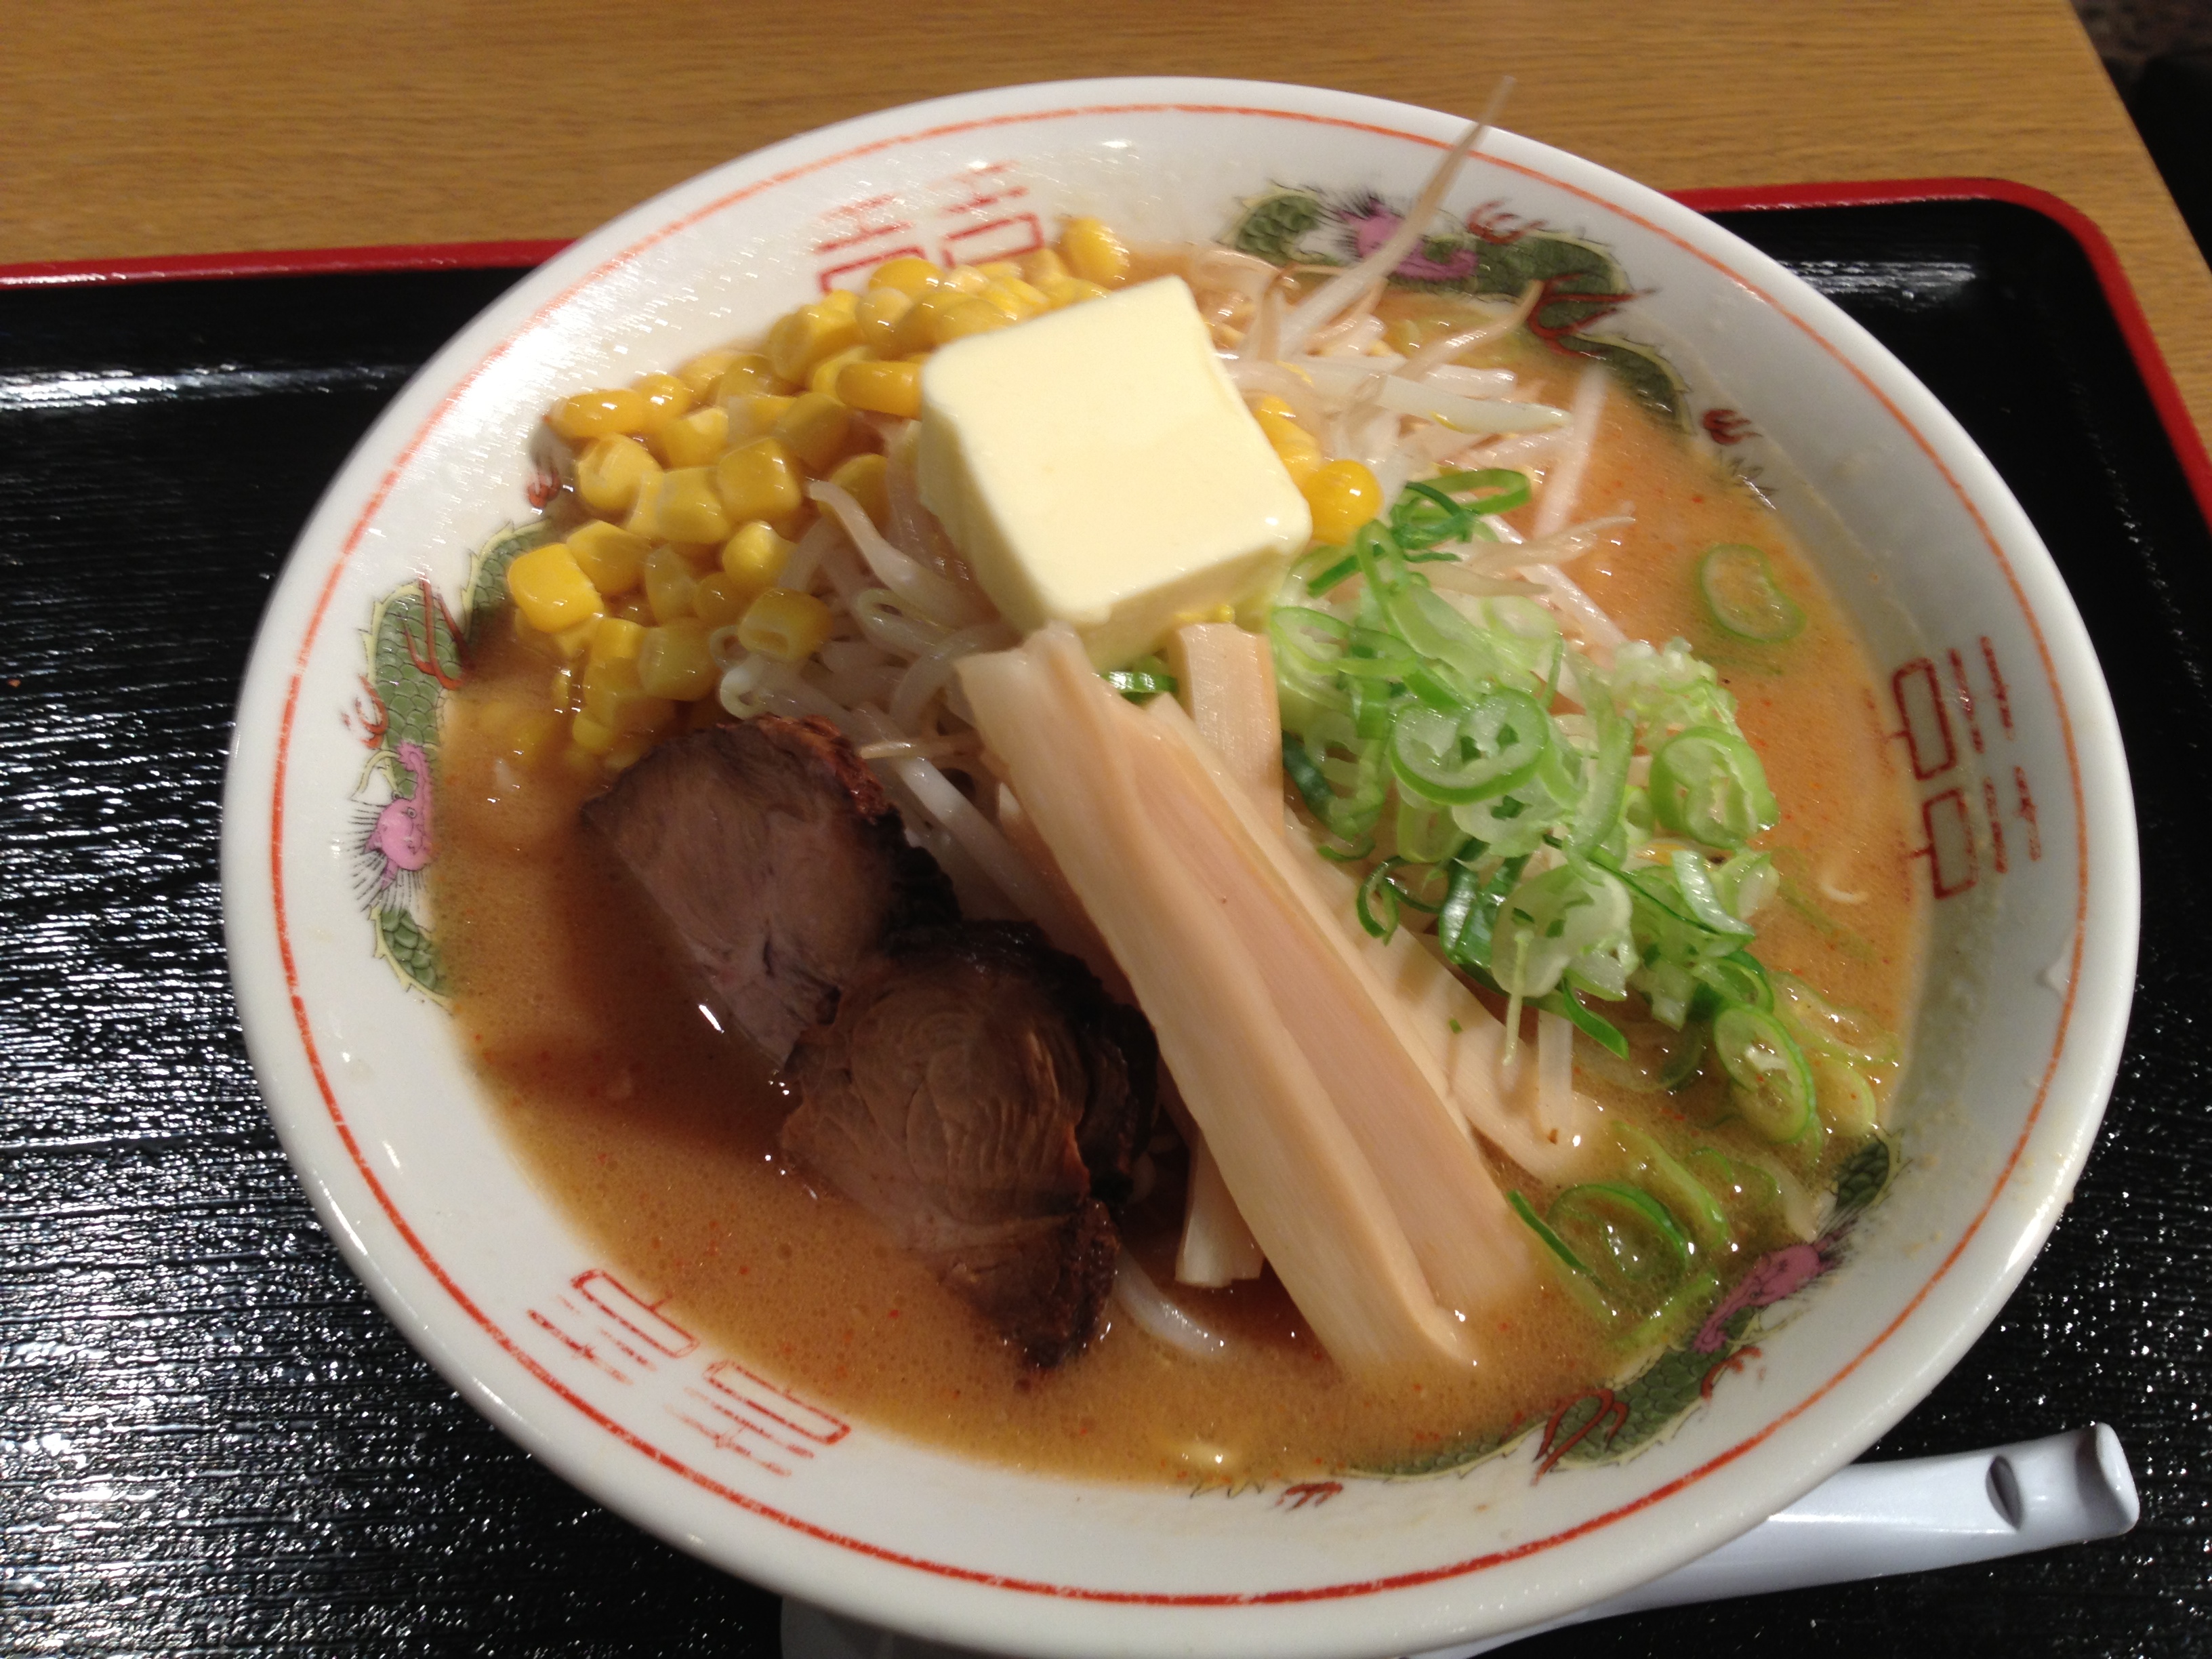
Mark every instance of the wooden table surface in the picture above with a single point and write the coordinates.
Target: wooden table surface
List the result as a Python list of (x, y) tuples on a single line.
[(136, 128)]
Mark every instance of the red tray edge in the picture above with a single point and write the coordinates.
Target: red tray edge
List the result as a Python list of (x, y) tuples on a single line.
[(283, 262), (2135, 328)]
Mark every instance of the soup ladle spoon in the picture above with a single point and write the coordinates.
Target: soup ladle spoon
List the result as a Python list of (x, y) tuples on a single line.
[(1868, 1520)]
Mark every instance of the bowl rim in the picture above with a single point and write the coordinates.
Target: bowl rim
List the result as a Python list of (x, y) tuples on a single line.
[(2090, 1024)]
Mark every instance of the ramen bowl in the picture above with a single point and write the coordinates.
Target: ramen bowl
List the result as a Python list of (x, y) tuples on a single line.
[(2000, 719)]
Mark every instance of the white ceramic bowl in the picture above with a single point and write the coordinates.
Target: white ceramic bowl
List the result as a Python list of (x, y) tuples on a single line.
[(2003, 722)]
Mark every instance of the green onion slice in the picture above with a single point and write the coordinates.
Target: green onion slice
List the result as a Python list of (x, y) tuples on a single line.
[(1147, 676), (1740, 977), (1742, 1188), (1745, 882), (1372, 654), (1635, 1249), (1820, 1024), (1599, 810), (1377, 900), (1313, 641), (1552, 1242), (1565, 917), (1331, 575), (1565, 1002), (1774, 1088), (1484, 752), (1426, 834), (1675, 1187), (1739, 588), (1846, 1098), (1694, 878), (1299, 766), (1707, 784), (1467, 925), (1507, 489), (1683, 1058)]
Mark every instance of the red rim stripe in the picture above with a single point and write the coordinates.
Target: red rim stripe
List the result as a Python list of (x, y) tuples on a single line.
[(289, 262)]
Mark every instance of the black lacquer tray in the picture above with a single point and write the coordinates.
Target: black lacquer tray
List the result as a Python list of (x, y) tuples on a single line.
[(210, 1440)]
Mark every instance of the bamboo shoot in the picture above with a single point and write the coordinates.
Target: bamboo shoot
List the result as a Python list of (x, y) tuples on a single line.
[(1312, 1198)]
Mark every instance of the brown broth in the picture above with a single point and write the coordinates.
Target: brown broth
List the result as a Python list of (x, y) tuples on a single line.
[(658, 1134)]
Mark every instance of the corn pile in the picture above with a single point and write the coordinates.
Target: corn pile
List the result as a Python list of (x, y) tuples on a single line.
[(695, 484)]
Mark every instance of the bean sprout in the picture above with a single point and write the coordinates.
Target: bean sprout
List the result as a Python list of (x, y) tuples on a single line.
[(931, 669), (935, 597)]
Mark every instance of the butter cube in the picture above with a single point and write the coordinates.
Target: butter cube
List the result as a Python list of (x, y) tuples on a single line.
[(1096, 466)]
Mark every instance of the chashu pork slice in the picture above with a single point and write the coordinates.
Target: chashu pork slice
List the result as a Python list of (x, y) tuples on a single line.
[(774, 855), (981, 1095)]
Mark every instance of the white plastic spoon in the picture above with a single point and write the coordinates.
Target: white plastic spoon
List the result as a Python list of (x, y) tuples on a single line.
[(1868, 1520)]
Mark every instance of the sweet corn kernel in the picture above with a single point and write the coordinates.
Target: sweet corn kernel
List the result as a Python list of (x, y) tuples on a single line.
[(916, 330), (594, 737), (609, 555), (1094, 253), (670, 584), (719, 599), (614, 640), (807, 336), (909, 275), (533, 737), (668, 398), (1042, 266), (754, 414), (600, 414), (841, 301), (753, 558), (1343, 495), (968, 279), (1015, 299), (551, 590), (816, 428), (704, 372), (760, 480), (564, 690), (673, 661), (576, 641), (701, 556), (1064, 291), (1300, 461), (881, 388), (867, 479), (999, 270), (823, 380), (692, 440), (614, 697), (748, 372), (611, 474), (1293, 445), (784, 624), (879, 313), (970, 316), (686, 508)]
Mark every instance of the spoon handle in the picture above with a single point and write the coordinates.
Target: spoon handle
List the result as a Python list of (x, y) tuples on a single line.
[(1865, 1521), (1870, 1520)]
